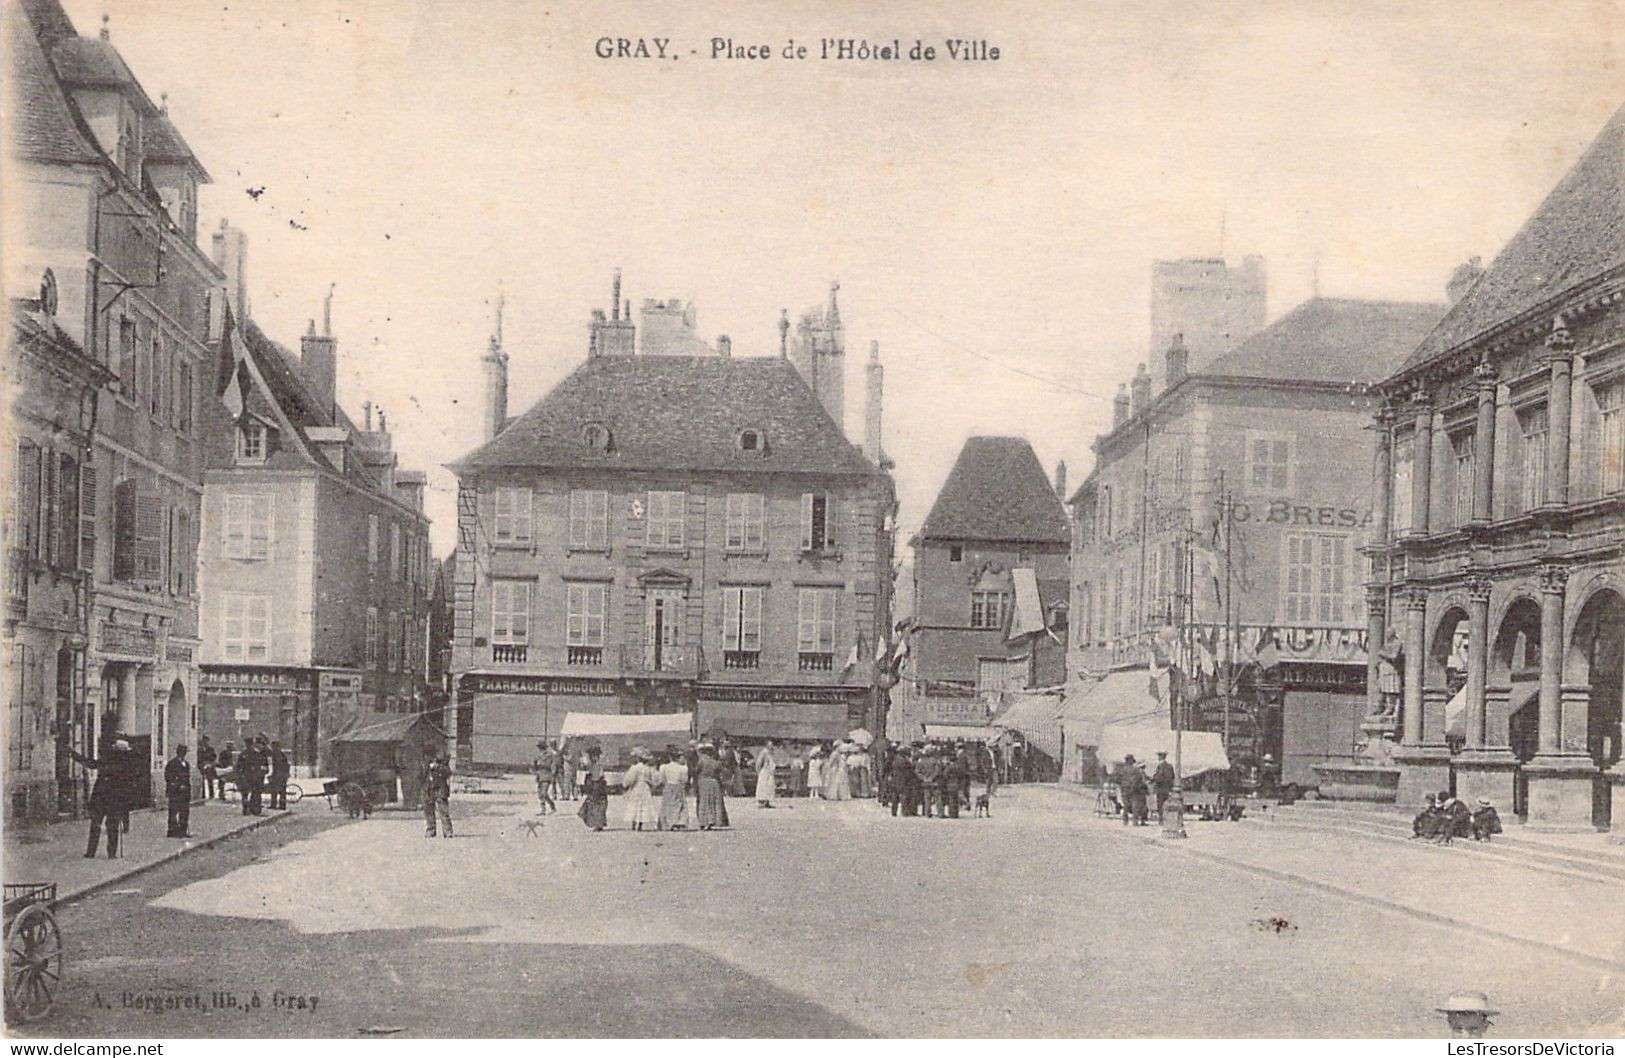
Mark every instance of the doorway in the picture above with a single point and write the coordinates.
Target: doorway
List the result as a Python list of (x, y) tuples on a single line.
[(663, 628)]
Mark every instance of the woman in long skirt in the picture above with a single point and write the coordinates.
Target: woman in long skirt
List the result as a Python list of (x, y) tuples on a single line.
[(815, 773), (708, 812), (640, 783), (766, 769), (837, 787), (674, 793), (594, 811)]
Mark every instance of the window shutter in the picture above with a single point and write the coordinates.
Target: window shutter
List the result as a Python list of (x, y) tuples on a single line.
[(806, 521), (732, 633), (124, 501), (829, 521), (50, 510), (87, 517), (149, 537)]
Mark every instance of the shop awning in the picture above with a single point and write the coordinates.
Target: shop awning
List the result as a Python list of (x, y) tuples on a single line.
[(968, 732), (1200, 751), (599, 724), (1122, 697), (1033, 715), (389, 729)]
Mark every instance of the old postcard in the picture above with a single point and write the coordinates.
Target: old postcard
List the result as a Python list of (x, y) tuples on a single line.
[(814, 520)]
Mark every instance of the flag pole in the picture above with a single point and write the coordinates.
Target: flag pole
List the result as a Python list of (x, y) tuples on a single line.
[(1173, 823)]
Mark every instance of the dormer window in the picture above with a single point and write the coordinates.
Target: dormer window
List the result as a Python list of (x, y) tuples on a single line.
[(595, 436), (753, 441), (251, 442)]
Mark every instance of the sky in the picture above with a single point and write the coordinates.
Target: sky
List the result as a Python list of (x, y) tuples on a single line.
[(992, 224)]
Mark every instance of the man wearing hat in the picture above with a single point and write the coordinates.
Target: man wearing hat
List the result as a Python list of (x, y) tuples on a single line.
[(251, 765), (1486, 820), (542, 767), (225, 767), (277, 783), (117, 773), (1162, 781), (437, 796), (178, 793), (1131, 787)]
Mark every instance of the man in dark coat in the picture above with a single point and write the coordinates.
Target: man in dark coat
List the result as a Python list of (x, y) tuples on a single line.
[(929, 772), (954, 779), (251, 767), (1456, 819), (437, 797), (278, 782), (117, 772), (1486, 820), (1131, 786), (206, 757), (963, 771), (178, 793), (1162, 782), (899, 779)]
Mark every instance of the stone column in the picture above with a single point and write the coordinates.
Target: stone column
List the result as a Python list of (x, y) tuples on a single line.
[(1478, 656), (1560, 355), (1376, 612), (1484, 444), (1422, 463), (1416, 600), (1553, 579), (1382, 478)]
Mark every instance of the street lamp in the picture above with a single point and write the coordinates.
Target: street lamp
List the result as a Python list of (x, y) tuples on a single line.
[(1173, 822)]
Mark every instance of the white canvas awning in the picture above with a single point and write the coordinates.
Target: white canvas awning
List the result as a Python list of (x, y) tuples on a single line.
[(1029, 609), (1121, 698), (1033, 714), (968, 732), (596, 724), (1200, 751)]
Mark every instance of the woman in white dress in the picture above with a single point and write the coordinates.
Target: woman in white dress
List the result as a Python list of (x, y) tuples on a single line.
[(837, 786), (674, 793), (815, 772), (640, 783), (766, 770)]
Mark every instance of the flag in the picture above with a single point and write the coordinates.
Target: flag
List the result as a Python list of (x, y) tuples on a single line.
[(852, 658), (1159, 682), (235, 395), (1268, 656)]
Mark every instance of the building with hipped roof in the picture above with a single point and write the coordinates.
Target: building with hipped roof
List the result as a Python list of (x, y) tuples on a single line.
[(672, 533), (990, 589), (314, 563), (1267, 437), (1500, 494), (102, 195)]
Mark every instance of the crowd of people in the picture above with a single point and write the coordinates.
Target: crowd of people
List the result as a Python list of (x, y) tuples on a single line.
[(1446, 817), (934, 779)]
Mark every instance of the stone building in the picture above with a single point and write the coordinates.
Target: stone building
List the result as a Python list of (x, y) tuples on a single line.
[(990, 589), (1277, 423), (670, 534), (102, 192), (1212, 305), (314, 565), (1501, 495)]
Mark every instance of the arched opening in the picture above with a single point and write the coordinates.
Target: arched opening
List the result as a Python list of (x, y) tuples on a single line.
[(1446, 673), (1514, 670), (1596, 659)]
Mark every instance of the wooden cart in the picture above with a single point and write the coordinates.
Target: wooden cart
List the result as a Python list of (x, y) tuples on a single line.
[(33, 950)]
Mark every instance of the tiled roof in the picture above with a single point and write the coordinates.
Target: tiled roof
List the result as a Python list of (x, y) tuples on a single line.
[(42, 126), (1577, 234), (1332, 340), (163, 142), (997, 491), (676, 413), (90, 61)]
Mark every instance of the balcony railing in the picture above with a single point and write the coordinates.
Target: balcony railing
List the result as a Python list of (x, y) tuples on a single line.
[(742, 660), (584, 656), (815, 662), (662, 660), (509, 653)]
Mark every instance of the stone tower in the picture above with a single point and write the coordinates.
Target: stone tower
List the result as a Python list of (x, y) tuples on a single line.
[(495, 365), (819, 353)]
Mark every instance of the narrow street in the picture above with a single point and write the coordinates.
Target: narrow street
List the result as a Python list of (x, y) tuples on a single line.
[(810, 920)]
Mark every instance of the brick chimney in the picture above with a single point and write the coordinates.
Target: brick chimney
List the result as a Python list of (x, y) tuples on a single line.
[(617, 335), (318, 360), (1140, 390), (1120, 406), (1463, 278), (1178, 362), (1060, 479), (725, 345), (494, 364)]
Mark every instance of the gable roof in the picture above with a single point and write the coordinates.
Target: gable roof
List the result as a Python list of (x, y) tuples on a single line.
[(676, 413), (997, 491), (42, 125), (1577, 234), (1332, 340)]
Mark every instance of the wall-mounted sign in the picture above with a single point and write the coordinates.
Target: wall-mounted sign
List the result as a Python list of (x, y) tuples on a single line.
[(123, 639)]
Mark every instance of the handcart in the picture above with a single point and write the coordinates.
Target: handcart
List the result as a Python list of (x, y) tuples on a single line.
[(33, 950)]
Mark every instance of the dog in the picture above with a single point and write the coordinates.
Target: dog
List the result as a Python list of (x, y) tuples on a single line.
[(982, 807), (531, 826)]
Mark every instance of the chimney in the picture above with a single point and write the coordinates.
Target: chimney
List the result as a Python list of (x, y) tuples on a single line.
[(318, 361), (875, 380), (494, 365), (725, 345), (1140, 389), (231, 257), (1120, 406), (1179, 359), (617, 335), (784, 333), (1463, 278), (1060, 479)]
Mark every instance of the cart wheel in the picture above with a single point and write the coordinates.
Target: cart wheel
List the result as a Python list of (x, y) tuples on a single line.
[(296, 793), (33, 964)]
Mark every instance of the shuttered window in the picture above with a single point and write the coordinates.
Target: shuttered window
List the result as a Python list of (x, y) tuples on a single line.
[(815, 632), (742, 618), (667, 512), (584, 615), (818, 521), (1533, 424), (26, 519), (510, 611), (745, 521), (87, 517), (245, 633), (369, 656), (247, 527), (1316, 587), (1611, 431), (138, 534), (589, 518), (512, 515)]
